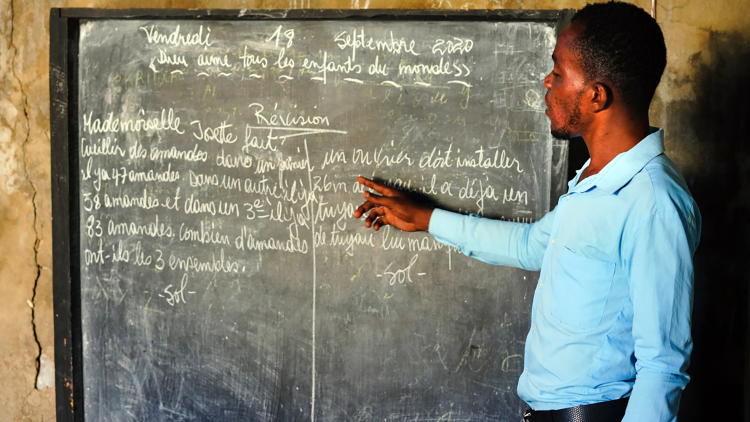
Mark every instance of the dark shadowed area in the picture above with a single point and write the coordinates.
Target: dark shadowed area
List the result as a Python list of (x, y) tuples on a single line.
[(719, 120)]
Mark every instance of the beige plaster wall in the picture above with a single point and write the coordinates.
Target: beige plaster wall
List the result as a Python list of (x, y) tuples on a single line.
[(697, 103)]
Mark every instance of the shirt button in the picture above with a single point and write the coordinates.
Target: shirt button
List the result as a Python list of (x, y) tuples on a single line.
[(541, 284), (527, 372), (532, 328), (553, 240)]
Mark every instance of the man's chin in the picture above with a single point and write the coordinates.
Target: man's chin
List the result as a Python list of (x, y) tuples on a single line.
[(561, 134)]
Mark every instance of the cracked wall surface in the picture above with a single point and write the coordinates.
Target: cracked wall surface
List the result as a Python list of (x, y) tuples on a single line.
[(702, 103)]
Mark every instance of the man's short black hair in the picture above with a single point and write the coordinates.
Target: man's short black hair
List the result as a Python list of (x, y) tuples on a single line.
[(621, 45)]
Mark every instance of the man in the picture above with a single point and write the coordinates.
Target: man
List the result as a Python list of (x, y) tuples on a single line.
[(610, 321)]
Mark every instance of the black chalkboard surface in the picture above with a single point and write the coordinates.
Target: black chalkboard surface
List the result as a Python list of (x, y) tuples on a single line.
[(207, 267)]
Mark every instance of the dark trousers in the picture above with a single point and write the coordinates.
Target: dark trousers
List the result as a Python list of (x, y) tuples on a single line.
[(609, 411)]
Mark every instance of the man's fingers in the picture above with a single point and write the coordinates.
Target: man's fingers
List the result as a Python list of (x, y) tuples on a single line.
[(377, 219), (380, 222), (381, 201), (370, 184), (377, 187), (373, 215), (367, 206)]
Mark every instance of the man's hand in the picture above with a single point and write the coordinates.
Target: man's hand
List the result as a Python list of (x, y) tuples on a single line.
[(393, 208)]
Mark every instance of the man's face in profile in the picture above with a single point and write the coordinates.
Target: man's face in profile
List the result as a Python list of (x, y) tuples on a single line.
[(565, 87)]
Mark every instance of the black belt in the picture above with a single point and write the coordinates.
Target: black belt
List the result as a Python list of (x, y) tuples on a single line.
[(608, 411)]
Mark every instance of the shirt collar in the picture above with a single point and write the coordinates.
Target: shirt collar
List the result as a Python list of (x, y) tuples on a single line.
[(618, 172)]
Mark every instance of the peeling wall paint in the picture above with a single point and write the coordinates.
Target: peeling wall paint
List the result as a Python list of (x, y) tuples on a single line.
[(702, 103)]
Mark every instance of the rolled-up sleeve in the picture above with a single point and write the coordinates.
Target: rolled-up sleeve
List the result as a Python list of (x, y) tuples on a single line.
[(659, 261), (496, 242)]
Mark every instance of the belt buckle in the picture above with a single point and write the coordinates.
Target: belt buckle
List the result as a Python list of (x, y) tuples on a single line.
[(527, 415)]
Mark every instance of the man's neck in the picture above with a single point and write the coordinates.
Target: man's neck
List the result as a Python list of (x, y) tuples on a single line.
[(607, 139)]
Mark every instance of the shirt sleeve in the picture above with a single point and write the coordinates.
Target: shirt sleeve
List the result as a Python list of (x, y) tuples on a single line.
[(659, 261), (496, 242)]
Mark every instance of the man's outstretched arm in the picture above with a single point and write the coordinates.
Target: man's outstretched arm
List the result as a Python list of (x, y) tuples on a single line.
[(492, 241)]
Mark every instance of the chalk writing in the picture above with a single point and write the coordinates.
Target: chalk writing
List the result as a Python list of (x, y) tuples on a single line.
[(217, 166)]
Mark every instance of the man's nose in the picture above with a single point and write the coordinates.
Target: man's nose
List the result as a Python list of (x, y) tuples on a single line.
[(548, 81)]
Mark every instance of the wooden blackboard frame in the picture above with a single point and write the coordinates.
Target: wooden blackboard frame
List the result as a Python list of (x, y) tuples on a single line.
[(63, 79)]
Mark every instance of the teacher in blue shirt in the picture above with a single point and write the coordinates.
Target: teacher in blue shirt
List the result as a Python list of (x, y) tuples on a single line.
[(610, 321)]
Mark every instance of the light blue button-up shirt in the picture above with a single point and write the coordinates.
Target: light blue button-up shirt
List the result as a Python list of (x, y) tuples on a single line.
[(611, 311)]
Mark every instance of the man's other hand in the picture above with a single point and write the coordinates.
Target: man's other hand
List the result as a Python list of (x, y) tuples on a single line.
[(392, 207)]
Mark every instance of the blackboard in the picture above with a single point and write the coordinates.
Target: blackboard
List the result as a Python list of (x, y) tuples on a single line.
[(207, 266)]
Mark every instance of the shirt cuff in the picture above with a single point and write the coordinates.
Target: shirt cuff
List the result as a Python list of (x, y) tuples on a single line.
[(443, 224), (655, 397)]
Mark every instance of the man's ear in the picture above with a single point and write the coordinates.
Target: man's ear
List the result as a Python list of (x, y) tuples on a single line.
[(601, 97)]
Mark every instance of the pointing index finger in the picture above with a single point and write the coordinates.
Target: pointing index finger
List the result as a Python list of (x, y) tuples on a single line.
[(377, 200), (377, 187)]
